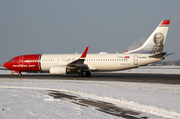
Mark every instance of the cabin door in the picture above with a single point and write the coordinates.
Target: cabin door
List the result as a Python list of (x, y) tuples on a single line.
[(21, 60), (135, 60)]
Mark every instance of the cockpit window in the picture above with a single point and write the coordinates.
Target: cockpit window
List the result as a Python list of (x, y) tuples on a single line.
[(11, 60)]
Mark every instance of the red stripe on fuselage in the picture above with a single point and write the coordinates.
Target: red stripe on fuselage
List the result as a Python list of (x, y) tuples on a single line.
[(24, 63)]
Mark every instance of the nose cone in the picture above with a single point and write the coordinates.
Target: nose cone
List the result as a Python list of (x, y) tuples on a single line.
[(6, 64)]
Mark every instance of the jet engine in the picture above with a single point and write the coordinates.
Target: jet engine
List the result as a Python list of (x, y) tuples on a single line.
[(58, 70)]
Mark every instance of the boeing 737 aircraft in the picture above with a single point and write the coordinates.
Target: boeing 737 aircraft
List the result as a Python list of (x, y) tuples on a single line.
[(150, 52)]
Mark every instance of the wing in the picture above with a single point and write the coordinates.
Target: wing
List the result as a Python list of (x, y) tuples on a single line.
[(80, 62)]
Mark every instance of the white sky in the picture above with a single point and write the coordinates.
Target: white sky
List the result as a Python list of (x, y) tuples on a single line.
[(43, 26)]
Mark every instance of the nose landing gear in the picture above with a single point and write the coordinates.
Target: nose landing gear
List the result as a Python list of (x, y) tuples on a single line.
[(20, 74), (14, 71)]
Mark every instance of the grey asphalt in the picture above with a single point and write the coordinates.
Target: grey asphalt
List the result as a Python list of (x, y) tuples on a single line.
[(123, 77)]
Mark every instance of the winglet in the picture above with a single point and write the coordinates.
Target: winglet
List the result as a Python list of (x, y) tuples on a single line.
[(85, 53)]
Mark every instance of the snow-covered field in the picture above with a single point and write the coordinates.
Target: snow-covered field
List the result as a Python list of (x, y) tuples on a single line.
[(28, 98)]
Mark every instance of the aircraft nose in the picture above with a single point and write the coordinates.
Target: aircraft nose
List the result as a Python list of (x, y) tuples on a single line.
[(6, 64)]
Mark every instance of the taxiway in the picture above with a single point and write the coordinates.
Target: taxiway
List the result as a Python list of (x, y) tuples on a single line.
[(123, 77)]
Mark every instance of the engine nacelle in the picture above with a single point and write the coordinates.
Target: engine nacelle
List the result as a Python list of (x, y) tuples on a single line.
[(58, 70)]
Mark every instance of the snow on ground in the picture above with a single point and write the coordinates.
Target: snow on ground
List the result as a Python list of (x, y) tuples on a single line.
[(23, 104), (27, 98)]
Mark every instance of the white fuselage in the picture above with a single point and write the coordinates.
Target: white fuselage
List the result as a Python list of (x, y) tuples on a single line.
[(99, 62)]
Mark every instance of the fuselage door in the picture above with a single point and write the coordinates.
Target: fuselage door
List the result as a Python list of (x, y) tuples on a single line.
[(21, 60), (135, 60)]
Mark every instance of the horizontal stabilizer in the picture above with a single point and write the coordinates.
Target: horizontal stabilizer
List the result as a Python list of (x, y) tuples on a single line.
[(162, 54), (170, 54)]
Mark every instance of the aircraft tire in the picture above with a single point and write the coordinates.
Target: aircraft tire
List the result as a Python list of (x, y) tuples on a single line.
[(88, 74), (80, 74), (20, 74)]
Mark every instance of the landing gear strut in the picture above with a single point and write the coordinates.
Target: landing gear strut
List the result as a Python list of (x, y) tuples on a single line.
[(20, 74)]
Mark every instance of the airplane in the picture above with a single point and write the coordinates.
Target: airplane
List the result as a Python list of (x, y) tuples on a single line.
[(61, 64)]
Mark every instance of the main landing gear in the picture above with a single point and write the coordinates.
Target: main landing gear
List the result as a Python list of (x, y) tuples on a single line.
[(87, 74), (80, 74)]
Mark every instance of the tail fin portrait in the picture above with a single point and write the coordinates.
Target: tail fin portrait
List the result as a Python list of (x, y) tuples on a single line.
[(155, 43)]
